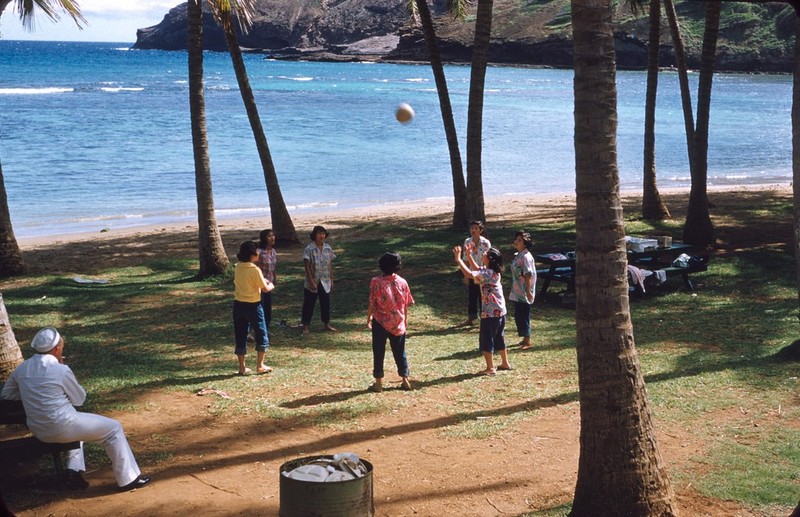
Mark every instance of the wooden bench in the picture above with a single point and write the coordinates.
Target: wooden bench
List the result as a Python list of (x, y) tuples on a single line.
[(29, 447)]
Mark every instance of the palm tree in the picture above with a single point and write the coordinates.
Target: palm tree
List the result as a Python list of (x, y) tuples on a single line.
[(683, 77), (213, 260), (653, 207), (458, 8), (282, 223), (620, 470), (796, 162), (10, 354), (698, 229), (477, 79), (11, 262)]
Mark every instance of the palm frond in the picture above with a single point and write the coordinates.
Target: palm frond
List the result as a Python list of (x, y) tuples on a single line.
[(225, 10), (414, 10), (637, 6), (28, 8), (458, 8)]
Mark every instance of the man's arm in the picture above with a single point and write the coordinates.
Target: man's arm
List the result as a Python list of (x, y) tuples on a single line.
[(10, 390), (75, 392)]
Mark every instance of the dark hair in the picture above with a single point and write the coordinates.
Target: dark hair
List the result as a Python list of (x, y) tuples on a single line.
[(262, 237), (527, 240), (495, 260), (247, 250), (390, 263), (317, 229), (478, 223)]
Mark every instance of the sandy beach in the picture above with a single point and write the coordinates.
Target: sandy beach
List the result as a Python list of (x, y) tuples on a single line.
[(527, 209)]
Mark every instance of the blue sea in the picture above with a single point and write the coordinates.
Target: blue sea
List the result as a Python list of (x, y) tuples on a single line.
[(96, 135)]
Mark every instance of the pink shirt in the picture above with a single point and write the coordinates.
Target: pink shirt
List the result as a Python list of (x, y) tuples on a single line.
[(267, 259), (389, 298)]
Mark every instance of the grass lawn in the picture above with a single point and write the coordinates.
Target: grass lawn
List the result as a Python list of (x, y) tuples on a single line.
[(709, 357)]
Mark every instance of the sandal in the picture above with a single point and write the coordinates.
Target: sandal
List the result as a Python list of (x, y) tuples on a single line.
[(487, 372), (247, 371), (264, 370), (506, 368), (375, 388)]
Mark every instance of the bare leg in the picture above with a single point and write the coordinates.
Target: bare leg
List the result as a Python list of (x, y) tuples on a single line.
[(377, 386), (243, 370), (261, 367), (504, 365), (490, 370)]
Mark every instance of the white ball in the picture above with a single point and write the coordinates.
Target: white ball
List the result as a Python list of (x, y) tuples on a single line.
[(404, 113)]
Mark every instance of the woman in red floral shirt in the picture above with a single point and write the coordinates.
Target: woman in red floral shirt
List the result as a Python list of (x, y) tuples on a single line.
[(389, 298)]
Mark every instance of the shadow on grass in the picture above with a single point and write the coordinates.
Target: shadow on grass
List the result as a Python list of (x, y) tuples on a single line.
[(457, 356), (140, 335), (316, 400)]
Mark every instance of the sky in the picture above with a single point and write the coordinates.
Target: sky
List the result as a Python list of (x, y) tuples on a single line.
[(106, 20)]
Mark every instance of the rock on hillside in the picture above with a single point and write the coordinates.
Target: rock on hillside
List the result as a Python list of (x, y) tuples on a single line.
[(533, 32), (287, 24)]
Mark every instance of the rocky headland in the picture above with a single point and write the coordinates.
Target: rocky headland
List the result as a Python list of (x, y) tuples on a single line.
[(753, 37)]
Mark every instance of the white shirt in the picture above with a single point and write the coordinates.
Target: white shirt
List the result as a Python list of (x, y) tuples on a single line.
[(48, 390)]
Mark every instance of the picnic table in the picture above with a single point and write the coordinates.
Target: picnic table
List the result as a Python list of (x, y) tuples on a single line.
[(560, 267)]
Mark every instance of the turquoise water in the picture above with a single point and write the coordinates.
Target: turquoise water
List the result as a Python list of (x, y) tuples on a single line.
[(94, 135)]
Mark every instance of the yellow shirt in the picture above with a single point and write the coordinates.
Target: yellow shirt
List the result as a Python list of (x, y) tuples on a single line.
[(248, 281)]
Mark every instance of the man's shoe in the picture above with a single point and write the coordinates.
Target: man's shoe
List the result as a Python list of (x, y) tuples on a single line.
[(139, 482), (74, 480)]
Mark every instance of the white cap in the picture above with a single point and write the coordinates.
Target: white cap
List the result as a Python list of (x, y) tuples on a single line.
[(45, 340)]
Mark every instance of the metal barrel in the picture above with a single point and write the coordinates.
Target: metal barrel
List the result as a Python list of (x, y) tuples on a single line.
[(352, 498)]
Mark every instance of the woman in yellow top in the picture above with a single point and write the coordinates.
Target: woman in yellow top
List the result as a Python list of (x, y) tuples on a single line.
[(248, 312)]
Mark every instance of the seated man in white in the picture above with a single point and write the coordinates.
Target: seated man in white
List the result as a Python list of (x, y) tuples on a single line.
[(48, 391)]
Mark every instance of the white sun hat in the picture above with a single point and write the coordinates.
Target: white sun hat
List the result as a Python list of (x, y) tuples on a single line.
[(45, 340)]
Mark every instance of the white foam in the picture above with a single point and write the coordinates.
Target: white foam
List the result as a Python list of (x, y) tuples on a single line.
[(34, 91), (114, 89)]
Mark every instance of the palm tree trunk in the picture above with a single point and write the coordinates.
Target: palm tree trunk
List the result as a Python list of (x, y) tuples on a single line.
[(460, 214), (796, 511), (796, 158), (11, 262), (683, 77), (213, 260), (698, 229), (477, 79), (653, 207), (620, 470), (282, 223), (10, 354)]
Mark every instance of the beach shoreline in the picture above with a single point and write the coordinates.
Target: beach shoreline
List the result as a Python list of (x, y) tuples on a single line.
[(436, 210)]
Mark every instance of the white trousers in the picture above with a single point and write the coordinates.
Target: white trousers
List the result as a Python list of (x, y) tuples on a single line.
[(106, 431)]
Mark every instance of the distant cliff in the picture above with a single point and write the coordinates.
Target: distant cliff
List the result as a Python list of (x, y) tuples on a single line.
[(753, 37)]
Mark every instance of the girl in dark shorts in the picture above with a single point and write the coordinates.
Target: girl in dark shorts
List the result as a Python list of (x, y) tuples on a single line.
[(493, 307)]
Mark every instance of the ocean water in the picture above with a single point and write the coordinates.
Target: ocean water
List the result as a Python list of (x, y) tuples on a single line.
[(95, 135)]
